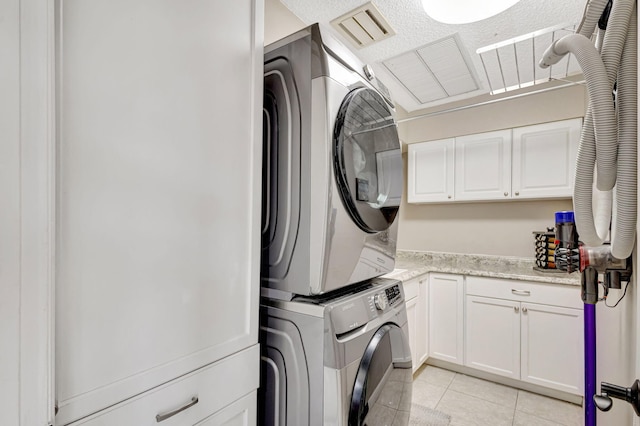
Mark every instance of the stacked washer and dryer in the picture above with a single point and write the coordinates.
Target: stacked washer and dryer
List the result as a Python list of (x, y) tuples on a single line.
[(334, 335)]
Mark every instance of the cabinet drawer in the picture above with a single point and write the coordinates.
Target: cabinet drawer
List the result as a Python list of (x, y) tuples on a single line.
[(525, 291), (411, 288), (215, 387)]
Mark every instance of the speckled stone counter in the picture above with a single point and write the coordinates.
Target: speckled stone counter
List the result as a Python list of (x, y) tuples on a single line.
[(514, 268)]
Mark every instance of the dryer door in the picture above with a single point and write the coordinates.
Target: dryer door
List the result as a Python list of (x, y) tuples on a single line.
[(382, 390), (368, 160)]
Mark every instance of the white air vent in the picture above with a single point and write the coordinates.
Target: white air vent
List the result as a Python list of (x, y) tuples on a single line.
[(363, 26), (513, 64), (438, 70)]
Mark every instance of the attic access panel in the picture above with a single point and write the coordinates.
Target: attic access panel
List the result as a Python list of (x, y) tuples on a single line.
[(438, 70)]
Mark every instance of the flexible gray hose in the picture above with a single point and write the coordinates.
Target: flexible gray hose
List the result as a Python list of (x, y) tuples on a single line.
[(592, 12), (615, 161), (595, 75), (624, 221)]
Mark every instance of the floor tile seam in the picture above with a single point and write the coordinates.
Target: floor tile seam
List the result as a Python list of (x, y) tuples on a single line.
[(515, 408), (560, 423), (487, 400), (543, 418)]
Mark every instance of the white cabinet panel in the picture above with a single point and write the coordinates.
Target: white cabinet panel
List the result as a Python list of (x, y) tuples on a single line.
[(430, 171), (483, 166), (492, 332), (157, 255), (446, 317), (243, 412), (220, 388), (544, 158), (417, 318), (552, 347), (412, 324), (423, 318)]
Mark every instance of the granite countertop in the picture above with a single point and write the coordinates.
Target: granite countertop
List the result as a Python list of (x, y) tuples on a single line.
[(514, 268)]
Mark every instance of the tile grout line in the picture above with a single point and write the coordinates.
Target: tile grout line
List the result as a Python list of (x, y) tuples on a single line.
[(445, 392), (515, 408)]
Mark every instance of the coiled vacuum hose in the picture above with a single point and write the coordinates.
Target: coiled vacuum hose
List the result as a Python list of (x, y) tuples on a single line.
[(608, 140)]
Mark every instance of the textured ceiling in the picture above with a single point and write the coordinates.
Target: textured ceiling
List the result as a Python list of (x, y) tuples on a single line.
[(415, 29)]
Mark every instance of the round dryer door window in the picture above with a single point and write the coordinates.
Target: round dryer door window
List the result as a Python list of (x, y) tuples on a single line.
[(368, 160), (382, 389)]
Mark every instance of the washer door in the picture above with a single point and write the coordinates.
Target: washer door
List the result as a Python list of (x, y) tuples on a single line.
[(368, 160), (382, 390)]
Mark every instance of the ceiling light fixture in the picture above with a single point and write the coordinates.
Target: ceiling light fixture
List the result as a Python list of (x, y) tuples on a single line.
[(464, 11)]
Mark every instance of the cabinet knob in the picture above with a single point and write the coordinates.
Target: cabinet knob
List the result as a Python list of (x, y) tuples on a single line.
[(449, 196), (517, 193), (516, 309), (506, 194), (524, 310)]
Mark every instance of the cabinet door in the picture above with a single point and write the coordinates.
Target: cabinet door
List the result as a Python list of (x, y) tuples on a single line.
[(544, 158), (446, 314), (412, 323), (422, 316), (492, 341), (190, 399), (552, 347), (430, 171), (483, 166), (157, 254)]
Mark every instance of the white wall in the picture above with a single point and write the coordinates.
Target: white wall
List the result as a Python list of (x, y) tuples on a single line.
[(279, 21), (497, 228), (9, 212)]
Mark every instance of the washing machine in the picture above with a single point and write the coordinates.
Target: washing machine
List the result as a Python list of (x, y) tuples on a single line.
[(332, 168), (342, 360)]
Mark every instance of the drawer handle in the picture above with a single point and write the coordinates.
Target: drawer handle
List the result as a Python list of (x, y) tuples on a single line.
[(521, 292), (165, 416)]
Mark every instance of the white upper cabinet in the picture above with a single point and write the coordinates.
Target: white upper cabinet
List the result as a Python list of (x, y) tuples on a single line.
[(544, 158), (483, 166), (430, 171), (523, 163)]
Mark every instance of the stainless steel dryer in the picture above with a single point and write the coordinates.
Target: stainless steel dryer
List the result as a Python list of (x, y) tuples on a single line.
[(332, 168), (339, 361)]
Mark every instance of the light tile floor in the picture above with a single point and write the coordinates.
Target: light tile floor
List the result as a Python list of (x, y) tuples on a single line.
[(475, 402)]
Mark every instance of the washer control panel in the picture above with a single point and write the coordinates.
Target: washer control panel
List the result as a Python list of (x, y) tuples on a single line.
[(393, 294), (385, 298)]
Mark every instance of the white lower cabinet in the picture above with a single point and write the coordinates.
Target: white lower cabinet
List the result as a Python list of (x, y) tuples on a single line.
[(195, 399), (243, 412), (538, 343), (493, 336), (552, 347), (417, 319), (446, 317)]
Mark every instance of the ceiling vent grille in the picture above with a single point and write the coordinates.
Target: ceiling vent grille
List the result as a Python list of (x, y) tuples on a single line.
[(513, 64), (363, 26), (436, 71)]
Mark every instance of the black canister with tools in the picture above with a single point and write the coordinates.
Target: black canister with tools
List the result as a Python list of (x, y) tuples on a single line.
[(545, 249)]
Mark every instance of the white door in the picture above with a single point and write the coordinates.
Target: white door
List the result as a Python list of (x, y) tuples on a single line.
[(423, 321), (446, 317), (430, 171), (544, 158), (412, 323), (483, 166), (157, 255), (552, 347), (492, 341)]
